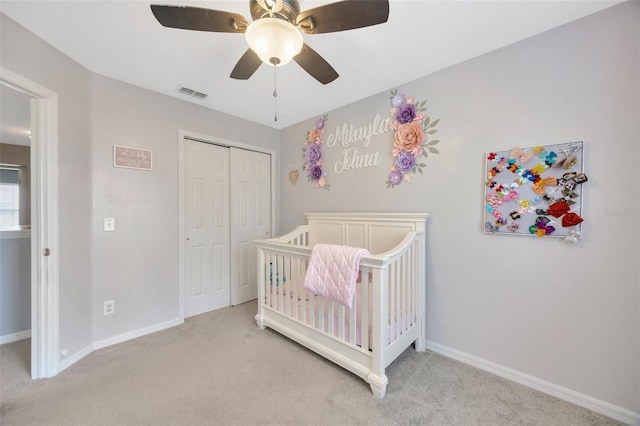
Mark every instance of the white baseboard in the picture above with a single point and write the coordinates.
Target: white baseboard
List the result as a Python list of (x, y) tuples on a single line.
[(69, 361), (593, 404), (136, 333), (14, 337)]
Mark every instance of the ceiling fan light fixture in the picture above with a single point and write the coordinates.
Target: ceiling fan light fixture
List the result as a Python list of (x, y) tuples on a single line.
[(273, 38)]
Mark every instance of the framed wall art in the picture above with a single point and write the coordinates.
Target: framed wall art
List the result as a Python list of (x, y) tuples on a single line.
[(132, 158), (535, 191)]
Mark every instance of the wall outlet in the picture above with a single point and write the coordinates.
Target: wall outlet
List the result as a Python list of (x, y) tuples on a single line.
[(109, 307), (109, 224)]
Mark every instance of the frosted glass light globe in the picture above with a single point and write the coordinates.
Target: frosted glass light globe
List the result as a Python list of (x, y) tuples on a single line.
[(274, 38)]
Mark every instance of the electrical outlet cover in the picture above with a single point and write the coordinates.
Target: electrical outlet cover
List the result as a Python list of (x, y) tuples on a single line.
[(109, 224)]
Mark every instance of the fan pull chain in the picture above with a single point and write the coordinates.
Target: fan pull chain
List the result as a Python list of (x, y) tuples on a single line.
[(275, 92)]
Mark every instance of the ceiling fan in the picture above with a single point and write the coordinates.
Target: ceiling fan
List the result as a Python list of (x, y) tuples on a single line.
[(274, 36)]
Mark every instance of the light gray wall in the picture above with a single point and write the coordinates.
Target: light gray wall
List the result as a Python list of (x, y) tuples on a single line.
[(567, 314), (15, 285), (25, 54), (137, 265)]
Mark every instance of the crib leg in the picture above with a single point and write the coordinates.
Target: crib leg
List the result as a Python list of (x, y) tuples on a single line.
[(260, 322), (378, 385), (421, 342)]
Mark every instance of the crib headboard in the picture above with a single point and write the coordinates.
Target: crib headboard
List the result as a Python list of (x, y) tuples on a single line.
[(377, 232)]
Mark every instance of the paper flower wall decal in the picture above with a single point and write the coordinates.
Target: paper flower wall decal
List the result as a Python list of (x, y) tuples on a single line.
[(413, 128), (313, 154)]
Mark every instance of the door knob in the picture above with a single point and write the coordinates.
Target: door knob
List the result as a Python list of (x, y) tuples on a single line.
[(46, 252)]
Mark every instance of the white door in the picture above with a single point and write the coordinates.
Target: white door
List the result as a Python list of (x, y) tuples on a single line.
[(206, 227), (250, 218)]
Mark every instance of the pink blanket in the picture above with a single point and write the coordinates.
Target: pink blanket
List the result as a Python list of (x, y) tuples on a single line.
[(332, 272)]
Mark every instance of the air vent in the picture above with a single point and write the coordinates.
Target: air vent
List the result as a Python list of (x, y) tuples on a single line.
[(191, 92)]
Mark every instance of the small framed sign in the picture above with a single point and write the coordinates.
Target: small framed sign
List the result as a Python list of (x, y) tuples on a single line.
[(131, 158)]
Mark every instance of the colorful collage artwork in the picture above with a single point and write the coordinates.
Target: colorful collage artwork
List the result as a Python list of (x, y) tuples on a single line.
[(535, 191)]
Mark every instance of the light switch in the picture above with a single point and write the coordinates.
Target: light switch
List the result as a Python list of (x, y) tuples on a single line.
[(109, 224)]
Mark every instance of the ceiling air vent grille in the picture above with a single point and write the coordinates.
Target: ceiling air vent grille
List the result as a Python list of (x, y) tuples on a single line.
[(191, 92)]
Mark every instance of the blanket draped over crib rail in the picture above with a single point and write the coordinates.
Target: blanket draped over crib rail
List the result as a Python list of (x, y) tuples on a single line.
[(386, 314), (332, 272)]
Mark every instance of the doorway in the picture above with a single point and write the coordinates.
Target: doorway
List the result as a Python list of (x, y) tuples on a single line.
[(15, 215), (227, 201), (44, 222)]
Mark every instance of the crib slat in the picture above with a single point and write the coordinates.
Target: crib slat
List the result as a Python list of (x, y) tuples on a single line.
[(312, 303), (320, 311), (402, 284), (405, 286), (340, 321), (398, 312), (393, 280), (276, 280), (394, 308), (303, 295), (267, 283), (364, 316), (416, 295), (331, 319), (293, 287), (414, 299), (353, 313), (415, 282), (286, 291)]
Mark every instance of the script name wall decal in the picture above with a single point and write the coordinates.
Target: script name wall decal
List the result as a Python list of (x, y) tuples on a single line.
[(346, 135)]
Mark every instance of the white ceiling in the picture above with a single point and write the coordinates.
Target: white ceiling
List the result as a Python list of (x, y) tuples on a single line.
[(123, 40)]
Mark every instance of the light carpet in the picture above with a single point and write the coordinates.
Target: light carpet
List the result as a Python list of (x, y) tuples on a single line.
[(221, 369)]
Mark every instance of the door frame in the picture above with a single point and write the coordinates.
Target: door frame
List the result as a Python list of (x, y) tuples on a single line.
[(44, 223), (198, 137)]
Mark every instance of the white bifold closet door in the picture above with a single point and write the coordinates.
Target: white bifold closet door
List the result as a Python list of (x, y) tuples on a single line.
[(227, 205), (250, 218)]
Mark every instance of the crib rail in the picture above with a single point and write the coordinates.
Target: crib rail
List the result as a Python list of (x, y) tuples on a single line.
[(298, 237)]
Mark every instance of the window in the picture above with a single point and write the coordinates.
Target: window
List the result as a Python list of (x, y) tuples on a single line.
[(9, 197)]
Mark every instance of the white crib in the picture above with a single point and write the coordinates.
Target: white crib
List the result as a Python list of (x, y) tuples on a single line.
[(388, 313)]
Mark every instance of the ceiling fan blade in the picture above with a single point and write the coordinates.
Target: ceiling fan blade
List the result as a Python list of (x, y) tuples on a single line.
[(315, 65), (199, 19), (246, 66), (343, 15)]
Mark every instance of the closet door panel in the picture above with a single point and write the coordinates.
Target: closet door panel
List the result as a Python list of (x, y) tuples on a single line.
[(206, 245), (250, 218)]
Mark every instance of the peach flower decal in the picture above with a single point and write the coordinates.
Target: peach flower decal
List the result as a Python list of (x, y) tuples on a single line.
[(409, 137)]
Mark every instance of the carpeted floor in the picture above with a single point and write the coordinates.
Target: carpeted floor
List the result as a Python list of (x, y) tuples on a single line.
[(221, 369)]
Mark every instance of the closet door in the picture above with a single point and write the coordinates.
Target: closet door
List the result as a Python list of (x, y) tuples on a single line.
[(206, 227), (250, 218)]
